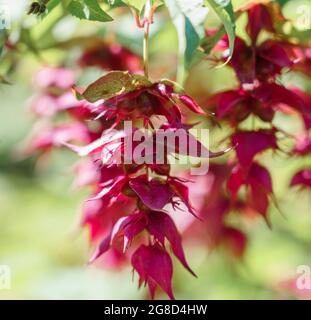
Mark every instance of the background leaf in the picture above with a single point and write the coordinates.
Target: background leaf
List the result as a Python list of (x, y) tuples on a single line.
[(188, 18), (52, 4), (226, 15), (136, 4), (89, 10)]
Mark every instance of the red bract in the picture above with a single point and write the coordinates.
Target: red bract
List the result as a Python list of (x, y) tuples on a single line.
[(235, 240), (45, 138), (209, 196), (131, 212), (162, 227), (259, 19), (121, 96), (263, 62), (154, 267), (55, 79), (110, 57), (263, 101), (128, 97), (250, 143), (303, 145), (303, 56), (155, 193), (99, 216), (302, 178), (259, 184)]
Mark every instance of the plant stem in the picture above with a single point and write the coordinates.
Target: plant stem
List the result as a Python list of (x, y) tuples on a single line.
[(146, 50), (146, 37)]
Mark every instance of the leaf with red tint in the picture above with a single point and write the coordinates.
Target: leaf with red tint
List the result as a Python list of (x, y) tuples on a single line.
[(162, 226), (302, 178), (155, 194), (250, 143), (154, 265)]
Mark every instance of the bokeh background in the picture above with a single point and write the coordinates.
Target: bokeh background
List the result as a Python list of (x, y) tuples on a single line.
[(40, 239)]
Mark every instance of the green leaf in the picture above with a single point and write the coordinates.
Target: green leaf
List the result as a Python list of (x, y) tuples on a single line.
[(52, 4), (89, 10), (115, 3), (136, 4), (209, 43), (2, 40), (188, 18), (282, 2), (224, 10), (113, 84)]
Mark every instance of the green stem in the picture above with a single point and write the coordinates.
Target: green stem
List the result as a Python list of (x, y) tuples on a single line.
[(146, 50), (147, 22)]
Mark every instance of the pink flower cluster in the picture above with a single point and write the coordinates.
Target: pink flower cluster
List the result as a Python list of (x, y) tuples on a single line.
[(257, 64)]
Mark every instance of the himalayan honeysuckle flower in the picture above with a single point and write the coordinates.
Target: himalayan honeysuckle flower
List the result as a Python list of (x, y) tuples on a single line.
[(142, 208)]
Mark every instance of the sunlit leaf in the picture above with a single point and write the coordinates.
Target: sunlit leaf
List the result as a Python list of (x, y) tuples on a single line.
[(136, 4), (188, 18), (224, 10), (89, 10), (113, 84)]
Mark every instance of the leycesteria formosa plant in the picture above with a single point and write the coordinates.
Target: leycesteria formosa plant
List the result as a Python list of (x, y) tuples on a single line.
[(133, 207)]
